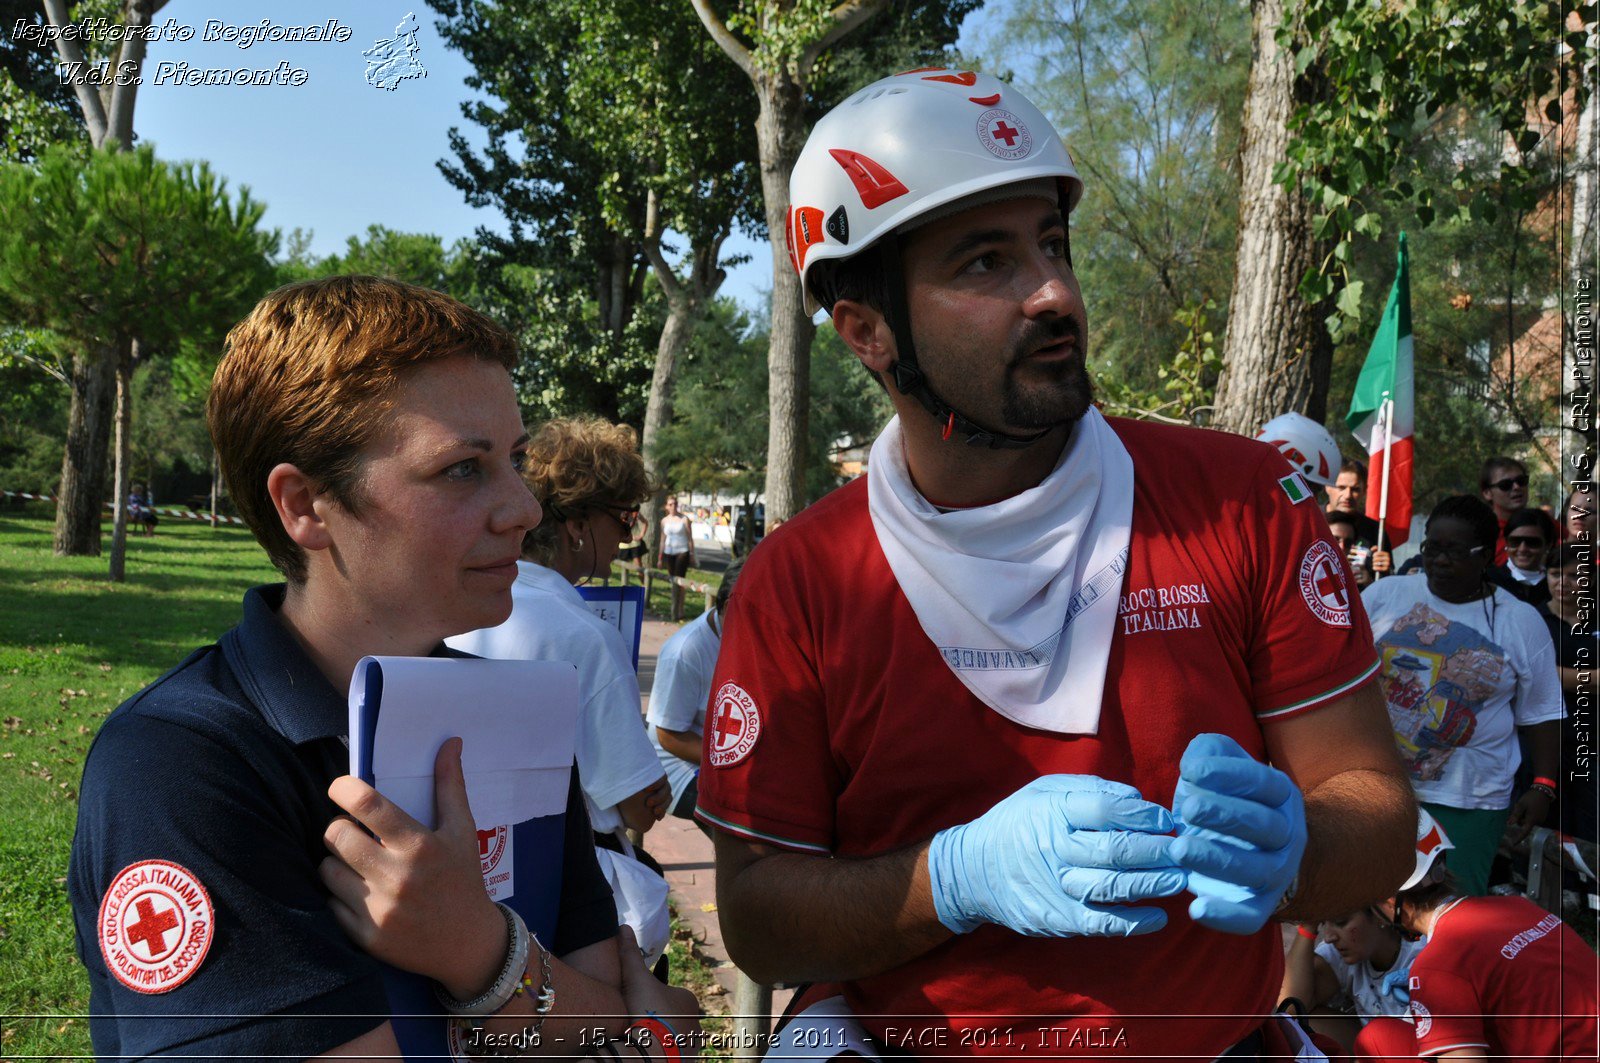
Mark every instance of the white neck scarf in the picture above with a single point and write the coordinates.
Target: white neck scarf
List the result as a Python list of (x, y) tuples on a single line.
[(1020, 597)]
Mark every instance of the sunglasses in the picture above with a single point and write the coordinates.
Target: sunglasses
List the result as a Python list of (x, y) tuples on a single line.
[(1523, 542), (1509, 482), (625, 517), (1452, 552)]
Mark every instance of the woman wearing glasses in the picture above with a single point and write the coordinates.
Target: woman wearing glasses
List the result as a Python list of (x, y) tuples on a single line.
[(1466, 666), (589, 477)]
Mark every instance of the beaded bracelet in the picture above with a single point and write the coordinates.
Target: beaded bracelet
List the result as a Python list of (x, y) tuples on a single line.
[(545, 998), (1539, 786)]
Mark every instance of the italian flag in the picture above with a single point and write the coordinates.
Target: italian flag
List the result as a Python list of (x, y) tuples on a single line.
[(1381, 413)]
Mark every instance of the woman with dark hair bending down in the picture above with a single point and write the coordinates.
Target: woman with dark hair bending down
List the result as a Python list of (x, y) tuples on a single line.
[(1465, 667)]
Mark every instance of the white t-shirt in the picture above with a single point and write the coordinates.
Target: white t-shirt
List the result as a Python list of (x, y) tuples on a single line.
[(682, 687), (550, 622), (675, 535), (1361, 986), (1460, 679)]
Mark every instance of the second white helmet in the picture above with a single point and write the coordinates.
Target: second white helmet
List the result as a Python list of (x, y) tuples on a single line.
[(1308, 446), (907, 145)]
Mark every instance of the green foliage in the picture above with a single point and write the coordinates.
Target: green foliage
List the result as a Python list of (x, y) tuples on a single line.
[(1148, 99), (1188, 378), (1394, 71), (1475, 284), (32, 412), (122, 245), (718, 437), (36, 108), (170, 431), (609, 124)]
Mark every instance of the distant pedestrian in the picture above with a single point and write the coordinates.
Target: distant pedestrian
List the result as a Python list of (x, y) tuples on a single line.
[(676, 553)]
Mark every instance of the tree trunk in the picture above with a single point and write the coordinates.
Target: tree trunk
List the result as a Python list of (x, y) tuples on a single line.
[(780, 133), (682, 317), (216, 474), (123, 454), (1277, 353), (83, 464)]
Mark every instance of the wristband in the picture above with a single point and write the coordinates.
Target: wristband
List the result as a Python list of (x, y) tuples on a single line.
[(1544, 780), (1306, 933), (653, 1026), (505, 986)]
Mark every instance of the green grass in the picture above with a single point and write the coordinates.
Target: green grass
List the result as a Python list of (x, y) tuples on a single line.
[(659, 605), (72, 647)]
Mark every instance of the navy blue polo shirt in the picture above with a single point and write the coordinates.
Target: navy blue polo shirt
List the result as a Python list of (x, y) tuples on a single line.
[(199, 914)]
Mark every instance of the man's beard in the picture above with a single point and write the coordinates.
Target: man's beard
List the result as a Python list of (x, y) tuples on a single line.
[(1064, 397)]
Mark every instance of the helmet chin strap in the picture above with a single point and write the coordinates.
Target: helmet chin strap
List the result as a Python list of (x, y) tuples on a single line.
[(909, 378)]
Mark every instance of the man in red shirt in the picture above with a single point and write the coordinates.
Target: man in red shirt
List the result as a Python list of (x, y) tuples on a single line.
[(1503, 483), (957, 698), (1500, 977)]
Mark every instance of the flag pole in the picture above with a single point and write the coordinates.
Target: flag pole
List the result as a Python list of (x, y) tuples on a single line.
[(1388, 461)]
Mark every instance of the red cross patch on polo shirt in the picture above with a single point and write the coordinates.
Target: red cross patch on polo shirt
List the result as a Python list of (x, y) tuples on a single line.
[(156, 925), (1323, 584), (735, 725)]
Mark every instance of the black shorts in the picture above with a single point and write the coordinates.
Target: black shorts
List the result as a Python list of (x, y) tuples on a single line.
[(675, 564), (632, 552)]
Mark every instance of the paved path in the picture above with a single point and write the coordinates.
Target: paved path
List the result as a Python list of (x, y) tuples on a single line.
[(684, 852)]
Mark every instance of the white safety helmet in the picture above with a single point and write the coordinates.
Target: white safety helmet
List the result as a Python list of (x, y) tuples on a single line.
[(1431, 841), (1308, 446), (907, 145)]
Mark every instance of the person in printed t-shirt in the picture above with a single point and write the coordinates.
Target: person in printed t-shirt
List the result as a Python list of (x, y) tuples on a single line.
[(1500, 977), (963, 701), (233, 889)]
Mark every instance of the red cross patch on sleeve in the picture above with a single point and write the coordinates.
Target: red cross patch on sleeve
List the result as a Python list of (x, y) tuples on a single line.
[(735, 725), (156, 925), (1323, 584)]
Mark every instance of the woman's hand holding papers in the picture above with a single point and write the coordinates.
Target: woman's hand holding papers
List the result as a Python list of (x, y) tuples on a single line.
[(410, 896)]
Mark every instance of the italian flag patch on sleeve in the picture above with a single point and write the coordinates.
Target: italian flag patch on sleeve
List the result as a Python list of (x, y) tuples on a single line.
[(1295, 486)]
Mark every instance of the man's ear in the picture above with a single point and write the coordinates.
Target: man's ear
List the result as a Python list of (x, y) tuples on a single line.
[(866, 332), (300, 505)]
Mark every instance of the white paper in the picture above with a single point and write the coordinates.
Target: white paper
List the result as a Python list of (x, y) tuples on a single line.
[(517, 721)]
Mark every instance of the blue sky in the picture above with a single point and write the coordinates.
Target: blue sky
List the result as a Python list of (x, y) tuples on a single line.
[(334, 155)]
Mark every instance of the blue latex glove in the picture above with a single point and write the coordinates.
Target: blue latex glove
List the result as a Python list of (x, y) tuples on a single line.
[(1397, 985), (1241, 833), (1057, 858)]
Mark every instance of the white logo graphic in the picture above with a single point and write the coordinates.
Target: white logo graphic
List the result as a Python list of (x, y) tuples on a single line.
[(395, 60), (735, 726), (1323, 584), (155, 926), (494, 860), (1422, 1017)]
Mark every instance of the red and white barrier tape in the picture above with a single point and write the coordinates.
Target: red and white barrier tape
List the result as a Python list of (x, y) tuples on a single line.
[(186, 514)]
